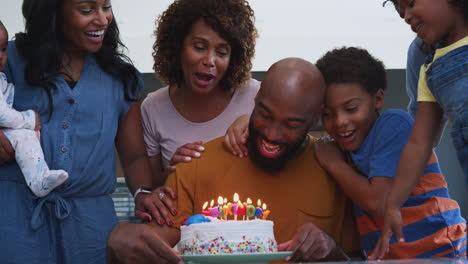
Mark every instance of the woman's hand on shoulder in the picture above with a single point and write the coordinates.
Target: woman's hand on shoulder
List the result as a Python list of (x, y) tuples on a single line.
[(185, 154), (157, 206), (236, 137), (7, 153)]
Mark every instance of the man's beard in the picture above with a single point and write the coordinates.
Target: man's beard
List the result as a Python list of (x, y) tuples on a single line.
[(271, 164)]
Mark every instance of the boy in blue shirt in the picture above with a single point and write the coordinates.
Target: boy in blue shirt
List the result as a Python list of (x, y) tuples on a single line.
[(373, 141)]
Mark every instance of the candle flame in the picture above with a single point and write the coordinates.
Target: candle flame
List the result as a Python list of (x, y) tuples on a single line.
[(259, 202), (264, 206), (225, 200), (212, 203), (236, 197), (220, 200), (249, 201), (205, 205)]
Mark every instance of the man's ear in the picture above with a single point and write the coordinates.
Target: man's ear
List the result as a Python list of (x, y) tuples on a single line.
[(317, 116), (379, 98)]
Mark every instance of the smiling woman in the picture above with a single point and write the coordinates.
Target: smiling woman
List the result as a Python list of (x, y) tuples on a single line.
[(67, 67), (86, 24), (203, 52)]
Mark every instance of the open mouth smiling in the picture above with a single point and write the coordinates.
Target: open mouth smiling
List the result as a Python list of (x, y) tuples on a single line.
[(96, 35), (203, 79), (269, 149)]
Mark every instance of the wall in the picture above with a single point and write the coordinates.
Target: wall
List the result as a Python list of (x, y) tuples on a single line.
[(301, 28)]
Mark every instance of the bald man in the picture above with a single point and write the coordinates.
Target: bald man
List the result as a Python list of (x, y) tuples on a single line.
[(311, 215)]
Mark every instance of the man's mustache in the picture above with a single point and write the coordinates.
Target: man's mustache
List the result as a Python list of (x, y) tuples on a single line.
[(258, 134)]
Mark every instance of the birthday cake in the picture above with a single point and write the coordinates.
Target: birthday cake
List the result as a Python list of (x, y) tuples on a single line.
[(208, 236)]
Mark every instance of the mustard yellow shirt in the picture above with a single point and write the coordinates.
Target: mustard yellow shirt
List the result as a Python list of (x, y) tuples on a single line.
[(424, 94), (301, 192)]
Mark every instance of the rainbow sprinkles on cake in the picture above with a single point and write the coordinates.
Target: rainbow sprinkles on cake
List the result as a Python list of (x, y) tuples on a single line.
[(212, 232)]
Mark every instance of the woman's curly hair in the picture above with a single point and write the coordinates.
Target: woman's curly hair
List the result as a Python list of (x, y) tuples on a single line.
[(233, 20)]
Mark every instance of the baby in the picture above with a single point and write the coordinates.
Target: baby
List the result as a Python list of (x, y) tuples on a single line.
[(21, 129)]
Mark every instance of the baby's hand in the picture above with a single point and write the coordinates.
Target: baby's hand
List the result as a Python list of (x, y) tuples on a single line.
[(38, 122)]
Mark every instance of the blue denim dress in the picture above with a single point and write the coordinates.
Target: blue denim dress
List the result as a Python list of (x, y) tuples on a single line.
[(72, 223), (447, 79), (415, 59)]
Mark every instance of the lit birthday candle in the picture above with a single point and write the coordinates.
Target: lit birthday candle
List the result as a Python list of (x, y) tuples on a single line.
[(213, 210), (241, 209), (204, 211), (220, 207), (258, 210), (226, 209), (265, 212), (250, 209), (234, 205)]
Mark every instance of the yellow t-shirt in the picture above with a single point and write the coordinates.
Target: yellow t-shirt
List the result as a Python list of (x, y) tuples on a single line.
[(424, 94), (301, 192)]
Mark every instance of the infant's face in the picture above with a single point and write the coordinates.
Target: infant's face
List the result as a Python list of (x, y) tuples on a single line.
[(3, 47)]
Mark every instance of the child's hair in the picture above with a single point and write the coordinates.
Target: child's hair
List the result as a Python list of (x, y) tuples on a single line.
[(353, 65), (1, 23), (463, 5), (396, 3)]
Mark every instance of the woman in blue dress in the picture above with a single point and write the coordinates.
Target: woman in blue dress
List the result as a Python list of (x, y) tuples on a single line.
[(67, 66)]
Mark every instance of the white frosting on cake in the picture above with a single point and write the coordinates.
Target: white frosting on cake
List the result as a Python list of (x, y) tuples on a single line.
[(222, 237)]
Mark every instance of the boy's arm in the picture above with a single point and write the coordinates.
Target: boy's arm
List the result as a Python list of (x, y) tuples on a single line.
[(370, 194), (380, 156)]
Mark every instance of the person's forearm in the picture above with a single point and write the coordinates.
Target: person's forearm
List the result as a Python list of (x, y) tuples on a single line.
[(439, 133), (159, 175), (410, 168), (131, 148), (137, 173), (416, 153), (357, 187)]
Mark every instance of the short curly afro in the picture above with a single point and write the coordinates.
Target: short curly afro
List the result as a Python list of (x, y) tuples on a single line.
[(233, 20), (353, 65)]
